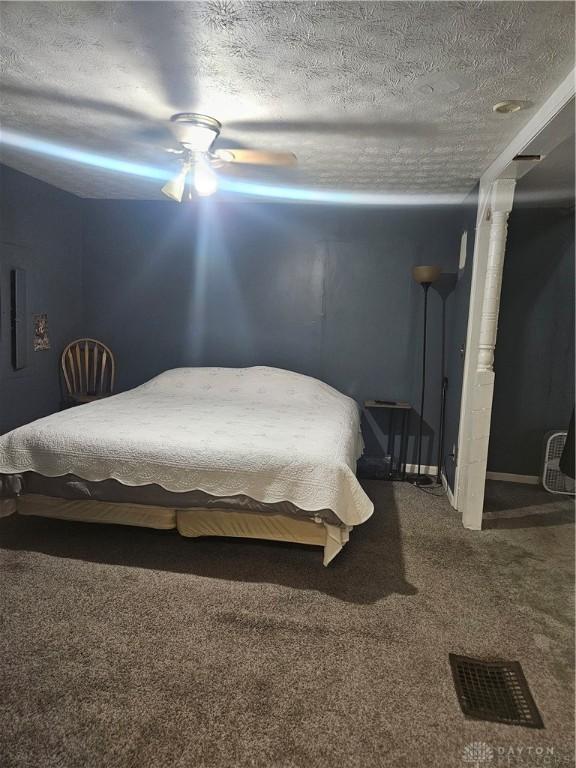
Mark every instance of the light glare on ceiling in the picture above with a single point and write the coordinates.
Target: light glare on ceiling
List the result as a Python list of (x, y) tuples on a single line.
[(237, 187)]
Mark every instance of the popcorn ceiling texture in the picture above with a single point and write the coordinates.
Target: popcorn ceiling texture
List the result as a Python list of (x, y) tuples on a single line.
[(370, 96)]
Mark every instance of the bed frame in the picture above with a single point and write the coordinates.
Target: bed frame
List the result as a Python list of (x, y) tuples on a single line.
[(194, 522)]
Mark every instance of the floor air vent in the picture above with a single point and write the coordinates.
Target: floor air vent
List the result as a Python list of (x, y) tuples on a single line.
[(494, 690)]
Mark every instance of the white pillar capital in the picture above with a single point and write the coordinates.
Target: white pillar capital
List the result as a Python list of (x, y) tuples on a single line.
[(502, 195)]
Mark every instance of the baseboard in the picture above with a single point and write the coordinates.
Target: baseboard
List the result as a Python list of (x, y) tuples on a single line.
[(449, 494), (424, 469), (506, 477)]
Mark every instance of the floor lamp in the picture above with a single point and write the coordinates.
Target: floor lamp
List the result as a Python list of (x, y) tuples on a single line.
[(425, 275)]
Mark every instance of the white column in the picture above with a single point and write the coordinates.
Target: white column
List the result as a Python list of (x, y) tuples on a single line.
[(475, 456), (502, 197)]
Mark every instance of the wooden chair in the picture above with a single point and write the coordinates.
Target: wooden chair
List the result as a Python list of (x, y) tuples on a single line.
[(88, 369)]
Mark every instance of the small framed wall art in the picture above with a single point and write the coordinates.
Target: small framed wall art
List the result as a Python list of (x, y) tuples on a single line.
[(41, 338)]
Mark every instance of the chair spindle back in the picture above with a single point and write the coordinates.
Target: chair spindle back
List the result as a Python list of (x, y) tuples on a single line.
[(88, 368)]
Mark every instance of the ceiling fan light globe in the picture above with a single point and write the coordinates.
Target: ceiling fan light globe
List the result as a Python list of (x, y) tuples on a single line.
[(174, 189), (205, 180)]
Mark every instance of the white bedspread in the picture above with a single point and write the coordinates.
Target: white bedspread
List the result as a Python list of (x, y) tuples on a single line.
[(263, 432)]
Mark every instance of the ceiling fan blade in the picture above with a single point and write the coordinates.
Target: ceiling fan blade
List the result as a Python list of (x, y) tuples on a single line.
[(255, 157)]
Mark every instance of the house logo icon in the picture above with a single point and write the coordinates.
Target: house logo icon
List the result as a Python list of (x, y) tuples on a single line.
[(477, 754)]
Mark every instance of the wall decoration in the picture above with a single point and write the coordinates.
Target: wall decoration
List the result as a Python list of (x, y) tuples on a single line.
[(41, 339)]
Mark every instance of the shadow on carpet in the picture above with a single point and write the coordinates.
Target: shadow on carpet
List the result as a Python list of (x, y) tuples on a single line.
[(370, 566)]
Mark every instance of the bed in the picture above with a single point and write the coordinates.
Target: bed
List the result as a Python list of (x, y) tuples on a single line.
[(251, 452)]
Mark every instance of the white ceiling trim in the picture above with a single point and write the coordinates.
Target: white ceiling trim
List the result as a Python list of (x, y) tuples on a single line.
[(534, 130)]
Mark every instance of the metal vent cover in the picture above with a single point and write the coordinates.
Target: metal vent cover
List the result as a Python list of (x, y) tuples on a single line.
[(496, 691)]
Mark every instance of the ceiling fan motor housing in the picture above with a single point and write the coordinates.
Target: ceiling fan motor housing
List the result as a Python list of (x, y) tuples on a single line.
[(195, 132)]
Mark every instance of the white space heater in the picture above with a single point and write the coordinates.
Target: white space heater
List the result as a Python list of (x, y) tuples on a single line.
[(553, 479)]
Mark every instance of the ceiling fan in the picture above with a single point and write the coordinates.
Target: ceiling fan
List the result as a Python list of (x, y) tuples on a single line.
[(196, 135)]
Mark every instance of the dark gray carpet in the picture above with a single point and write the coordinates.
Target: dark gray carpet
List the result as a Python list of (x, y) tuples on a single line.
[(123, 647)]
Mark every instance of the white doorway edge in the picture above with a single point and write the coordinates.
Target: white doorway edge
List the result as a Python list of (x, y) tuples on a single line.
[(496, 194)]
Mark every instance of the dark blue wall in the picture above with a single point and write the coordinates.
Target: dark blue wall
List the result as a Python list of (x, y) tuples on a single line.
[(324, 291), (534, 359), (41, 232), (456, 343)]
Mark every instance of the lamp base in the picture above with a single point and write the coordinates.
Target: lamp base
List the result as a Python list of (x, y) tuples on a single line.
[(420, 480)]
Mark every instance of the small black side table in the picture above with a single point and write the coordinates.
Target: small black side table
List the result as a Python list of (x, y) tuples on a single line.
[(394, 408)]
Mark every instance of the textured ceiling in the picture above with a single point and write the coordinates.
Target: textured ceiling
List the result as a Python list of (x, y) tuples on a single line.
[(551, 182), (371, 96)]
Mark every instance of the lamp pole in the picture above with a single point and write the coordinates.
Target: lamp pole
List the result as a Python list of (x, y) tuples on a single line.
[(425, 276), (426, 287)]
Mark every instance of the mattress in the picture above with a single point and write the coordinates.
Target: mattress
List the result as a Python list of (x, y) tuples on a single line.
[(263, 434), (76, 488)]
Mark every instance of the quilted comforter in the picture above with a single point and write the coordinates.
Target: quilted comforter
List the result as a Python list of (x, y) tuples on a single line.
[(266, 433)]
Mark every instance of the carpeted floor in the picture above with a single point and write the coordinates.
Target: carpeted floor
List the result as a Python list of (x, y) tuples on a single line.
[(125, 647)]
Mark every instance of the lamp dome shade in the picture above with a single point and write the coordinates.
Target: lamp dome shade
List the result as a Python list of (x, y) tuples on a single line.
[(426, 274)]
